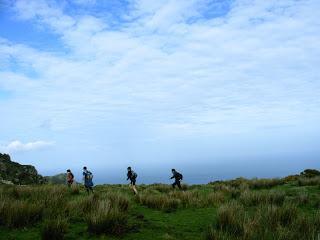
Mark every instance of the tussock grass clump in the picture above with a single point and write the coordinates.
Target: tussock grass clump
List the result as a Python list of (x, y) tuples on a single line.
[(230, 218), (214, 199), (273, 216), (162, 188), (253, 198), (304, 181), (243, 183), (265, 183), (88, 203), (161, 202), (213, 234), (18, 213), (302, 199), (268, 222), (75, 189), (54, 229), (118, 200), (107, 219), (187, 199)]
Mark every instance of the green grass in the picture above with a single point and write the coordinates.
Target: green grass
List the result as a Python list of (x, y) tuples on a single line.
[(238, 209)]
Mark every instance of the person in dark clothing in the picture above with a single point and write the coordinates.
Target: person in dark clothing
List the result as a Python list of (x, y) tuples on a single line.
[(70, 178), (177, 178), (87, 177), (133, 177)]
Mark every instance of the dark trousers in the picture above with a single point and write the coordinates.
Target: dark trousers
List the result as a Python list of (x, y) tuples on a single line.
[(89, 189), (176, 182)]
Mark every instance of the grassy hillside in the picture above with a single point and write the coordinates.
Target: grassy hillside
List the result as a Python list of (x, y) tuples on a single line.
[(238, 209), (56, 179)]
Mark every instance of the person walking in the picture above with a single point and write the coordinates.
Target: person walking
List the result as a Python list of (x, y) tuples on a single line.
[(70, 178), (133, 177), (87, 177), (177, 178)]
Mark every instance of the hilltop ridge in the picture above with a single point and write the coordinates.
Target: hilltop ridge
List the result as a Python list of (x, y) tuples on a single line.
[(15, 173)]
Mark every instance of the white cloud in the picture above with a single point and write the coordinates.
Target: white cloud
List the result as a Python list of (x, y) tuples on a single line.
[(17, 146), (253, 65)]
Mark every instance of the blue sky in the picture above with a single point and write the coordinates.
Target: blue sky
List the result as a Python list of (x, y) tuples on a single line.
[(216, 89)]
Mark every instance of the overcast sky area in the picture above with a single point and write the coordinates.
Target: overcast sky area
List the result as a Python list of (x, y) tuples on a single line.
[(217, 89)]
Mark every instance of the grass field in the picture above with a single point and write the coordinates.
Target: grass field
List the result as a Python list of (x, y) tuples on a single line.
[(238, 209)]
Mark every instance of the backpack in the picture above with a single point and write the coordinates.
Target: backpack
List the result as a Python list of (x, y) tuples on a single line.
[(134, 175), (89, 175), (71, 175), (179, 176)]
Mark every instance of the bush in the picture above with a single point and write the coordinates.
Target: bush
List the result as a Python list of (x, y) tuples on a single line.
[(54, 229), (309, 173)]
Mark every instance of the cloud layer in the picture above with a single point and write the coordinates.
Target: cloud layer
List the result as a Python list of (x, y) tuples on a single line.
[(17, 146), (122, 73), (169, 64)]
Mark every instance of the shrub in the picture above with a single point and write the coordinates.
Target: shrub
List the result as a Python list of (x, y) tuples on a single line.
[(309, 173), (54, 229), (291, 178)]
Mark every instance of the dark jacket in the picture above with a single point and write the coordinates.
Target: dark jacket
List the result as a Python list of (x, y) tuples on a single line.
[(131, 175), (177, 176)]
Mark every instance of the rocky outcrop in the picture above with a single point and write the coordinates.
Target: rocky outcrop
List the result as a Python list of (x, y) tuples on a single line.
[(15, 173)]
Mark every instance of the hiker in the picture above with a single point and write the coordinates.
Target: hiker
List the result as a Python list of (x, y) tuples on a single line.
[(70, 178), (178, 177), (133, 177), (87, 177)]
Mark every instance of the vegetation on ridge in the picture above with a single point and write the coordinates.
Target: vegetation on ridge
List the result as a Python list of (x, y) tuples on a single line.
[(236, 209)]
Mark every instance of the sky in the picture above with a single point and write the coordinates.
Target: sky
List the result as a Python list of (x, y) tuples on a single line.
[(217, 89)]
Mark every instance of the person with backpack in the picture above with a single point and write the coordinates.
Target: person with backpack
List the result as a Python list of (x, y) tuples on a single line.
[(70, 178), (87, 177), (133, 177), (177, 178)]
